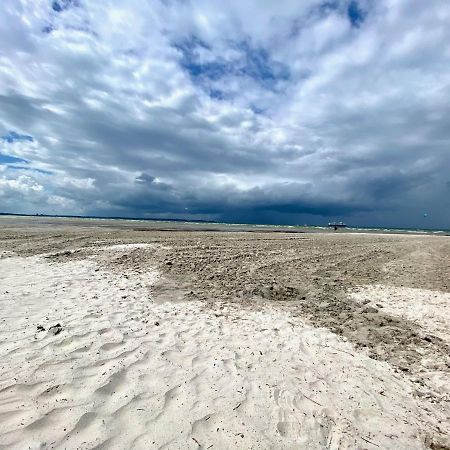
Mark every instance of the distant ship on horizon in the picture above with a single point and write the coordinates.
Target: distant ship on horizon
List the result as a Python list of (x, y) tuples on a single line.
[(337, 225)]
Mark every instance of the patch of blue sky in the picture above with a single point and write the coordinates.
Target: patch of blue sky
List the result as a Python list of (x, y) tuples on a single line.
[(47, 29), (254, 63), (32, 169), (260, 66), (210, 70), (61, 5), (328, 6), (8, 159), (351, 8), (258, 110), (188, 47), (216, 94), (12, 136), (355, 14)]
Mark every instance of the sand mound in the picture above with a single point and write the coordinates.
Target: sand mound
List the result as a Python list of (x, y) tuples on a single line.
[(429, 309)]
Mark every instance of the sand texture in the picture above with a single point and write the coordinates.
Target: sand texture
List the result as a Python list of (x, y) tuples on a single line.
[(131, 339)]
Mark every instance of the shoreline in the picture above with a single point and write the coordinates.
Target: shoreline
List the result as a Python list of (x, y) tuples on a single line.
[(192, 226)]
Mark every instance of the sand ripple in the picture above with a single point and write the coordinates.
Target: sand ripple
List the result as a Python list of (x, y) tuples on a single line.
[(126, 372)]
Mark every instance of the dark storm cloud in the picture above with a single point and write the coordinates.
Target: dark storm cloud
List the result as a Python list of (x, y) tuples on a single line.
[(282, 112)]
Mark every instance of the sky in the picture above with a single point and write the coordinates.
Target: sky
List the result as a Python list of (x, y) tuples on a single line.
[(255, 111)]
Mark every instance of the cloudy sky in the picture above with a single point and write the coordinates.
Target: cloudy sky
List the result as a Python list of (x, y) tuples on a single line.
[(291, 111)]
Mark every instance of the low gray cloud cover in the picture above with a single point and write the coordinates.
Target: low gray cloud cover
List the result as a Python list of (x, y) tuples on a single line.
[(245, 111)]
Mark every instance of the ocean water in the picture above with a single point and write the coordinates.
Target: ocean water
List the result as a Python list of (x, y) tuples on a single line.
[(236, 226)]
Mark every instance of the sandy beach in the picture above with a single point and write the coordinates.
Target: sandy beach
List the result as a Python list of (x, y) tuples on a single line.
[(136, 336)]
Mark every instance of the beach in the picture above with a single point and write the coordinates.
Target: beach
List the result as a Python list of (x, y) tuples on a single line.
[(135, 335)]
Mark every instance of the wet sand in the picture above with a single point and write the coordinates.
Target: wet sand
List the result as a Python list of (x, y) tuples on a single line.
[(125, 336)]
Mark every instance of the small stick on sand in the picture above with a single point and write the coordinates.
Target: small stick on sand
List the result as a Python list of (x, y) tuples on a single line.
[(338, 350), (367, 440), (310, 399)]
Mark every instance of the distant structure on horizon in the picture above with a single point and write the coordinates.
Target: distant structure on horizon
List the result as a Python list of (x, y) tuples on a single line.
[(337, 225)]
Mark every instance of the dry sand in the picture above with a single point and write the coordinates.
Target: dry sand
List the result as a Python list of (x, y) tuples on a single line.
[(128, 338)]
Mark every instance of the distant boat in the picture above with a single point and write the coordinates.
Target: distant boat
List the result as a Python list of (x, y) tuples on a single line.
[(337, 225)]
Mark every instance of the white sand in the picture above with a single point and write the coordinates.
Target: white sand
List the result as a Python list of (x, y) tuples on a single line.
[(126, 247), (429, 309), (126, 372)]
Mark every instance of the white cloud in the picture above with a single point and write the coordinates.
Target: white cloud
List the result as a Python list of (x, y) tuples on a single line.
[(248, 110)]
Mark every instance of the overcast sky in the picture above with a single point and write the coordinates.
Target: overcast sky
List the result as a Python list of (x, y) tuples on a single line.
[(291, 111)]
